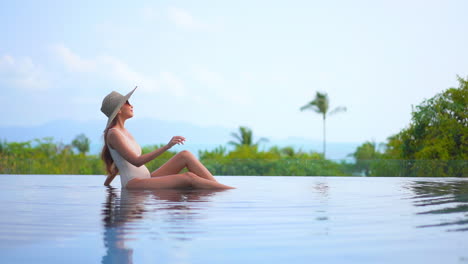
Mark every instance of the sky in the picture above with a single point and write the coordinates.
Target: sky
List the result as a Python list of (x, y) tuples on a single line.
[(232, 63)]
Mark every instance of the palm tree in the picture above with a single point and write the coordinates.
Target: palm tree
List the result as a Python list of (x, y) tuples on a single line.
[(320, 105), (245, 138)]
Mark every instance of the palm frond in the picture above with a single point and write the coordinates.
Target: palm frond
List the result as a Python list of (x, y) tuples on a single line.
[(262, 140), (233, 143), (338, 109), (246, 134), (310, 106), (236, 136)]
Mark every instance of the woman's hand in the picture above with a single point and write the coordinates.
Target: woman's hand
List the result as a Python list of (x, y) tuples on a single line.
[(176, 140)]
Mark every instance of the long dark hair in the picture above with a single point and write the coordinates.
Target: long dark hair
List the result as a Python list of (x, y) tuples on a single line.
[(111, 169)]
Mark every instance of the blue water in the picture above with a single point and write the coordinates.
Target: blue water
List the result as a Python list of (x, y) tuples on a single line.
[(74, 219)]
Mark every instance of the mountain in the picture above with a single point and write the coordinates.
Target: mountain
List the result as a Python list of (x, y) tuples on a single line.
[(153, 131), (145, 131)]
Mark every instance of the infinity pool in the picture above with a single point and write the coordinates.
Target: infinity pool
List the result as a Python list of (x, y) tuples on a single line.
[(74, 219)]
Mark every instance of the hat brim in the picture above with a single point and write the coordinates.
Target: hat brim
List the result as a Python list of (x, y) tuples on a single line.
[(117, 109)]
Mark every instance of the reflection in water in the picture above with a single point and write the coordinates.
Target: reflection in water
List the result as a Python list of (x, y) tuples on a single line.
[(322, 188), (442, 198), (114, 237), (122, 214)]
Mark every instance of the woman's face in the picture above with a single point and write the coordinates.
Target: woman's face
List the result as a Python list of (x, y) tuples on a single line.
[(127, 110)]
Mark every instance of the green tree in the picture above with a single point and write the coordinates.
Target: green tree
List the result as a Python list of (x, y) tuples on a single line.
[(436, 140), (288, 151), (81, 143), (217, 153), (365, 155), (439, 127), (44, 156), (3, 146), (245, 138), (320, 105)]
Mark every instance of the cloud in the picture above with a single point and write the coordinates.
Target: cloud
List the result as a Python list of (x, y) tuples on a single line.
[(115, 69), (120, 71), (72, 61), (23, 73), (184, 19)]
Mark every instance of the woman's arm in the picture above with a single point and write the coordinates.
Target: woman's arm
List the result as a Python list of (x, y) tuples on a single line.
[(118, 142), (109, 179)]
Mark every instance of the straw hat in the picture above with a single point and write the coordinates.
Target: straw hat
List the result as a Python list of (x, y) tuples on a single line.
[(112, 104)]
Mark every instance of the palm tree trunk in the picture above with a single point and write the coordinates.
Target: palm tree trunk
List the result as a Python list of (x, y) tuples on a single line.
[(324, 137)]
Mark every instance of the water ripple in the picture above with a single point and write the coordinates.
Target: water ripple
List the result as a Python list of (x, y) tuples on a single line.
[(443, 198)]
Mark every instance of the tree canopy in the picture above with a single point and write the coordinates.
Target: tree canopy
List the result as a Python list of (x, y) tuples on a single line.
[(81, 143), (438, 128)]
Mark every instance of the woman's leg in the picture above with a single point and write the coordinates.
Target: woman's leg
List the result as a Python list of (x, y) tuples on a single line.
[(176, 181), (181, 160)]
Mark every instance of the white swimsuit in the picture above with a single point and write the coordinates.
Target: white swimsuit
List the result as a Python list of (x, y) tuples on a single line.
[(127, 170)]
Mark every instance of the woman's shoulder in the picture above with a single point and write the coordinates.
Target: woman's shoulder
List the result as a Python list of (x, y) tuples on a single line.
[(112, 132), (116, 133), (116, 137), (112, 135)]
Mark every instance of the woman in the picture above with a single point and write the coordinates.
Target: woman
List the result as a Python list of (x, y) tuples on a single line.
[(122, 154)]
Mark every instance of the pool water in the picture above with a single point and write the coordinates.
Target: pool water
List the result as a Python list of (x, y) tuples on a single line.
[(74, 219)]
